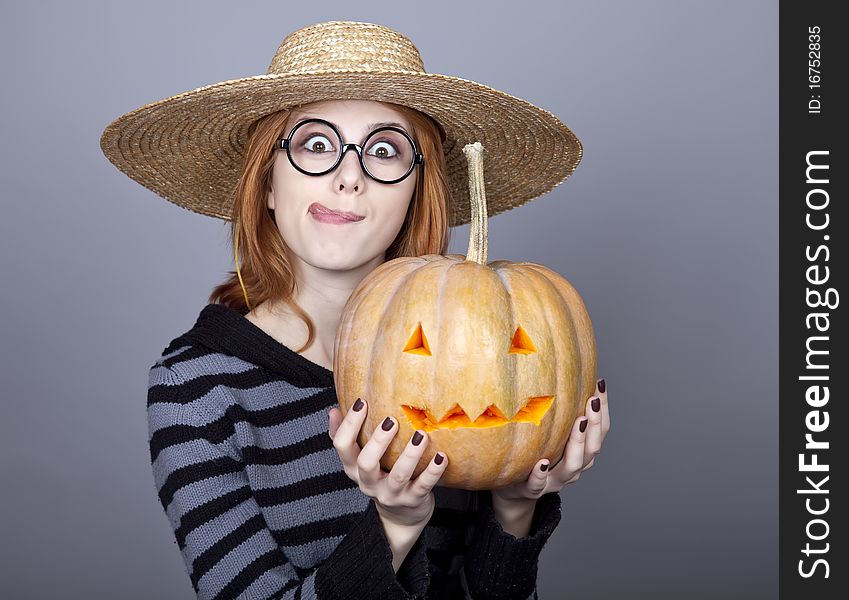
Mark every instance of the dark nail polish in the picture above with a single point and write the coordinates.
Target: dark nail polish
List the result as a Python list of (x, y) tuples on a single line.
[(596, 404), (543, 467), (601, 386), (582, 426), (387, 424), (438, 458), (358, 405), (417, 438)]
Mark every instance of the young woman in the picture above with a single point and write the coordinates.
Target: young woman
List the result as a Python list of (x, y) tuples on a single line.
[(261, 476)]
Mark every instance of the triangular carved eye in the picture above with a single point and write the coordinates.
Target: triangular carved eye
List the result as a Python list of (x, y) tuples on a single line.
[(522, 343), (417, 344)]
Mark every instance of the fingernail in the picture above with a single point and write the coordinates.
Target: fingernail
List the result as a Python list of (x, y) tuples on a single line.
[(387, 424), (596, 404), (358, 405), (601, 385), (439, 458), (543, 467), (417, 438), (583, 425)]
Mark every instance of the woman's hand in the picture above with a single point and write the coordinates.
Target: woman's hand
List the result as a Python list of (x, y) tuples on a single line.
[(514, 504), (404, 505), (398, 498)]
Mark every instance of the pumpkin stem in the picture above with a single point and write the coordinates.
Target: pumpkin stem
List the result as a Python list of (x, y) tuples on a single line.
[(477, 197)]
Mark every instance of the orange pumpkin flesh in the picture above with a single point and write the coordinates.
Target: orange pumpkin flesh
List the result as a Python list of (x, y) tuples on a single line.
[(491, 417), (493, 360)]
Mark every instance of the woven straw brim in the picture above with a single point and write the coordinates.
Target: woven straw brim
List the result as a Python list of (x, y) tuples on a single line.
[(188, 148)]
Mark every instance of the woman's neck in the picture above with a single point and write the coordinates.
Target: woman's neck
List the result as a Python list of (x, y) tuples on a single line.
[(322, 294)]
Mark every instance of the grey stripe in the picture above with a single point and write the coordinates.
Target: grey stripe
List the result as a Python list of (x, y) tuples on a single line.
[(271, 582), (212, 405), (272, 394), (316, 508), (235, 561), (160, 416), (215, 363), (261, 397), (303, 556), (159, 375), (308, 589), (189, 453), (200, 539), (172, 354), (317, 463), (204, 410), (191, 496), (292, 431)]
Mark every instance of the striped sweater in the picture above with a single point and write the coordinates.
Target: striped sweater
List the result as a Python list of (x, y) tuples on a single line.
[(258, 500)]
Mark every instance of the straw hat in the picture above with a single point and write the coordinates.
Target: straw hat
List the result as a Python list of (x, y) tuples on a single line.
[(188, 148)]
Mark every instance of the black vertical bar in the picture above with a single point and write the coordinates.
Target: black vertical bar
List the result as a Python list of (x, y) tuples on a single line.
[(813, 360)]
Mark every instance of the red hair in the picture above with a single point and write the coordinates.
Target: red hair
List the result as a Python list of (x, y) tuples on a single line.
[(264, 263)]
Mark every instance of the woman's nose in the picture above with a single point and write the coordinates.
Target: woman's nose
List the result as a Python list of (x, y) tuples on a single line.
[(349, 169)]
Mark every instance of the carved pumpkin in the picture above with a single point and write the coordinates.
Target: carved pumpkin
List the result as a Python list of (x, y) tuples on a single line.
[(493, 361)]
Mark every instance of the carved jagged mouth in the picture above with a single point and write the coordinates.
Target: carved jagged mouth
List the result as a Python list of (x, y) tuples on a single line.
[(532, 412)]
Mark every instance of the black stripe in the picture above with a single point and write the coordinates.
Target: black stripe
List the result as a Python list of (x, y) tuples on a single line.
[(316, 530), (303, 571), (254, 455), (215, 432), (252, 572), (286, 587), (283, 413), (191, 353), (194, 473), (304, 488), (189, 391), (178, 342), (224, 427), (212, 555), (208, 511), (194, 388)]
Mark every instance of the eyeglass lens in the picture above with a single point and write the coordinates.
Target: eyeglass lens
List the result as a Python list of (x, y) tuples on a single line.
[(387, 154)]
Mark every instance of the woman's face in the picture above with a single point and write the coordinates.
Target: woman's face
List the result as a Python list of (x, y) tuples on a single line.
[(298, 199)]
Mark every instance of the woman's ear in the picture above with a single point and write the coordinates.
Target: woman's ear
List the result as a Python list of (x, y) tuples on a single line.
[(270, 199)]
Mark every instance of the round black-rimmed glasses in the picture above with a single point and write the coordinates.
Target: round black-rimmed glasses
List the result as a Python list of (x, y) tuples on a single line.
[(315, 147)]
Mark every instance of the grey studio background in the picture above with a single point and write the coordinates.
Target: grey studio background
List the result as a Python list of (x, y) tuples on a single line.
[(668, 228)]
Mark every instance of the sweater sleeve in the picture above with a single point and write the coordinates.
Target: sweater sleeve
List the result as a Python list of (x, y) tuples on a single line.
[(227, 547), (497, 564)]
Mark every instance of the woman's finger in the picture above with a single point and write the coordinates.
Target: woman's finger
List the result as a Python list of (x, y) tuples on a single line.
[(402, 470), (368, 462), (345, 436), (592, 444), (427, 479), (605, 412), (535, 485), (573, 455), (334, 419)]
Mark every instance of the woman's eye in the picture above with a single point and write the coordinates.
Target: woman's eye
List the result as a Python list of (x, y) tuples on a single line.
[(382, 150), (318, 144)]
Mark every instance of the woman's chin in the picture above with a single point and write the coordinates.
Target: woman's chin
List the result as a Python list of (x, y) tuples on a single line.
[(336, 261)]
